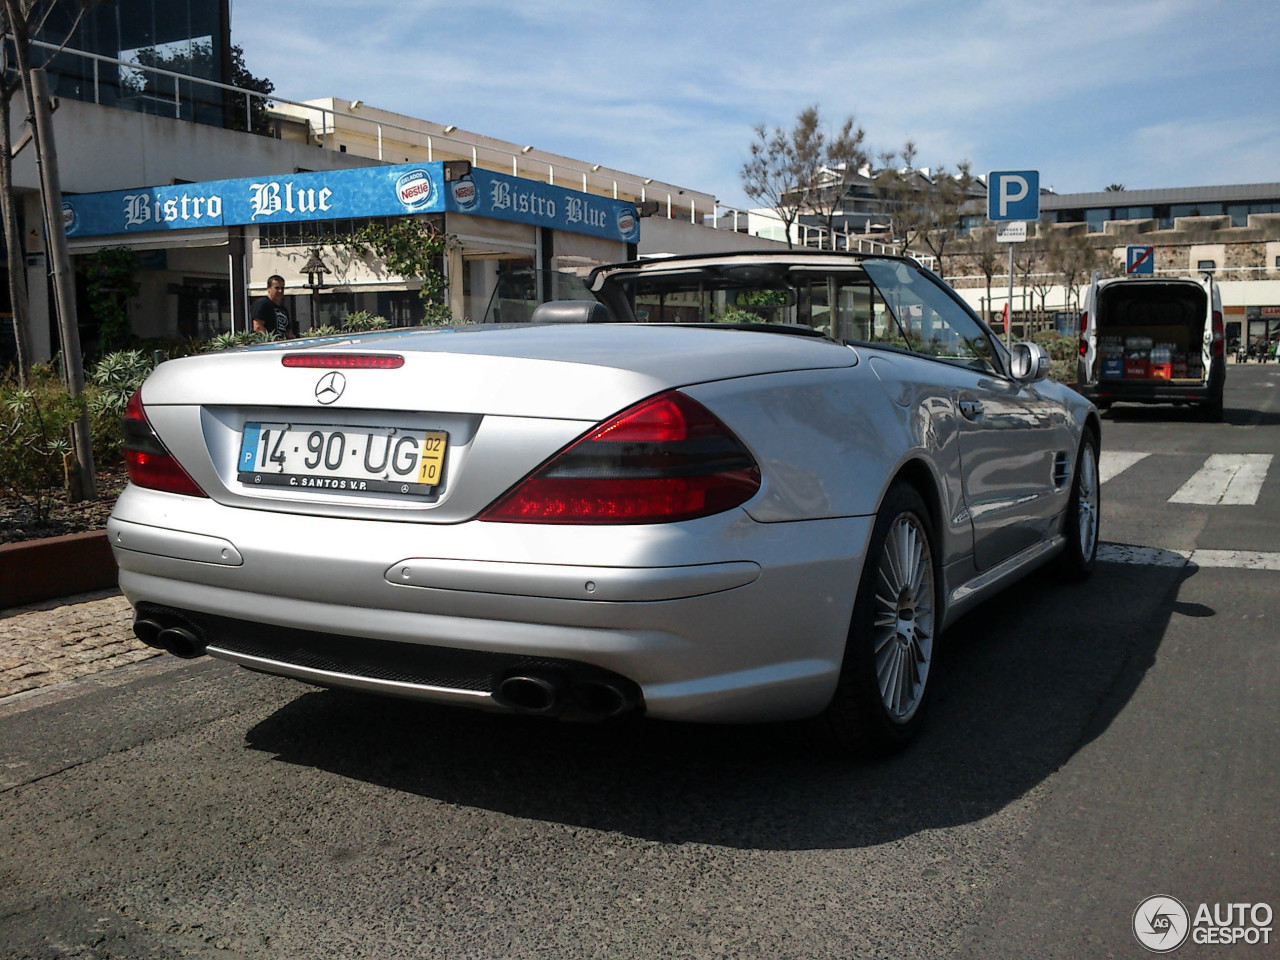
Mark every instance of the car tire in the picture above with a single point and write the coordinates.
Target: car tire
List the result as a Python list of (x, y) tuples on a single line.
[(1083, 516), (884, 682)]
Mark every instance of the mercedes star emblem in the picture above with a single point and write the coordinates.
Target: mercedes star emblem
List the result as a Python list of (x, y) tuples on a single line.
[(330, 387)]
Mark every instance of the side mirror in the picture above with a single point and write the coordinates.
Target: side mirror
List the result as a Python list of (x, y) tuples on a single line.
[(1029, 362)]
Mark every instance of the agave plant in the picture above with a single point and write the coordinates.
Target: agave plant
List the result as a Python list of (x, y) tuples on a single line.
[(363, 320), (226, 341)]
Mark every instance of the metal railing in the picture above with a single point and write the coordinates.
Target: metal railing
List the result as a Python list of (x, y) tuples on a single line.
[(324, 126), (1219, 273), (485, 155)]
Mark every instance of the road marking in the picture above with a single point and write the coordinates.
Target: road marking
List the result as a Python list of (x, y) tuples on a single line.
[(1114, 462), (1157, 557), (1141, 556), (1238, 559), (1226, 478)]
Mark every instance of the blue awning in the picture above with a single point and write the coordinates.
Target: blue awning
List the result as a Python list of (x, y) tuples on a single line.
[(403, 189)]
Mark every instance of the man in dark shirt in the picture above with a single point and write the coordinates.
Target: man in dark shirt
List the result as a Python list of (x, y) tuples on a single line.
[(269, 314)]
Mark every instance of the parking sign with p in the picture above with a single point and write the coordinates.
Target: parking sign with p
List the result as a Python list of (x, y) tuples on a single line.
[(1013, 195)]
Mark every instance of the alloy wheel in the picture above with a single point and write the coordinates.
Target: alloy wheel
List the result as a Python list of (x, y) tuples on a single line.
[(903, 620), (1087, 499)]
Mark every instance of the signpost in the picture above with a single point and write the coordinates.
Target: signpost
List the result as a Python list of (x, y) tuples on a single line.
[(1013, 199), (1140, 261), (1011, 231)]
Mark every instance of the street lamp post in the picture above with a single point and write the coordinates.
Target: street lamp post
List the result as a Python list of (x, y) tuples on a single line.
[(315, 271)]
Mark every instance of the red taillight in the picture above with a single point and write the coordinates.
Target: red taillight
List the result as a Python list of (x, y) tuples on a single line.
[(1084, 322), (668, 458), (1219, 345), (344, 361), (149, 464), (1084, 348)]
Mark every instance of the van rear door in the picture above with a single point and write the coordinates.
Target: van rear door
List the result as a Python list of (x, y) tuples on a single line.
[(1087, 365), (1214, 334)]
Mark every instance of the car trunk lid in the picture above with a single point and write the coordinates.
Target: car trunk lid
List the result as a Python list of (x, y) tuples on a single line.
[(328, 435)]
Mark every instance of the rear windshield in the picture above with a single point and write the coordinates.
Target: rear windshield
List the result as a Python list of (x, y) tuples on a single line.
[(1152, 305)]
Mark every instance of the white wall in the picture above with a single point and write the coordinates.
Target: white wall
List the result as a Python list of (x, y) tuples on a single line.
[(659, 235), (104, 148)]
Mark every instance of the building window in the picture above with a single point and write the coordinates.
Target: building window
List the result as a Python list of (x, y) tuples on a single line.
[(1206, 266), (1196, 210), (189, 37), (1096, 217), (311, 233), (1134, 213)]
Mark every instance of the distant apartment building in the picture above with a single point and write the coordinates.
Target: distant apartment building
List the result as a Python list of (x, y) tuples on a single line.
[(1230, 231)]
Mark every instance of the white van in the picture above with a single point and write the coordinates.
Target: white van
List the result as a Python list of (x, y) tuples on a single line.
[(1146, 340)]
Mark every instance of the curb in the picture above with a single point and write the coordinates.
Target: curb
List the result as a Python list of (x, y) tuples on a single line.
[(35, 570)]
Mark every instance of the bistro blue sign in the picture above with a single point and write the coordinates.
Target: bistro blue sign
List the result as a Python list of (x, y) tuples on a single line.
[(402, 189)]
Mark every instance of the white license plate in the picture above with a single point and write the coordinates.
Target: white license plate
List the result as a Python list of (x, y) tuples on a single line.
[(342, 458)]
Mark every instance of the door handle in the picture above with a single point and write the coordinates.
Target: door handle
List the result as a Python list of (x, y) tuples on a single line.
[(971, 409)]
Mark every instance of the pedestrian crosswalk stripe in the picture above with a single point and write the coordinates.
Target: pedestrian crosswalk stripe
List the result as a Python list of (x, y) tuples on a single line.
[(1113, 462), (1240, 559), (1157, 557), (1141, 556), (1226, 478)]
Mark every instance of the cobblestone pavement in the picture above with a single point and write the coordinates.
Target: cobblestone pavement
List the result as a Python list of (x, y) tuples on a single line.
[(47, 643)]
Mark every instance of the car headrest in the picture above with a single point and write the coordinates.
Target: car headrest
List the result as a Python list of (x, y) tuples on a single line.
[(571, 311)]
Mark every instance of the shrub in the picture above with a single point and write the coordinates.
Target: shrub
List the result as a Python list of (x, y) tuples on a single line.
[(437, 315), (1063, 352), (363, 320), (226, 341), (112, 381), (35, 437)]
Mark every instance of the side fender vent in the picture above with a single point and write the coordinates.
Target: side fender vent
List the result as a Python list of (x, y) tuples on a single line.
[(1061, 469)]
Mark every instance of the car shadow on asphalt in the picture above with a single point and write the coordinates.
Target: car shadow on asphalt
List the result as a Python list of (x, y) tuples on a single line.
[(1023, 682), (1161, 413)]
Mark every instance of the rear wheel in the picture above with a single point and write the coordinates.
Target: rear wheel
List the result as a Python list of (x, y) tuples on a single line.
[(1083, 514), (884, 680)]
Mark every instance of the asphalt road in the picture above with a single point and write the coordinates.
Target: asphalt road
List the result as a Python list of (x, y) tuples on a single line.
[(1090, 746)]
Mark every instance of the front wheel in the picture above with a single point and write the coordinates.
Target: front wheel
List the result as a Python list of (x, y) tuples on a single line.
[(1083, 514), (884, 680)]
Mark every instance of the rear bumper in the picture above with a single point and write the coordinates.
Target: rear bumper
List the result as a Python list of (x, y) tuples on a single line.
[(1156, 390), (733, 621), (1144, 391)]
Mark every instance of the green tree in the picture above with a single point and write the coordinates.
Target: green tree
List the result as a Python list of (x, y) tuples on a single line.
[(19, 19), (987, 258), (1075, 258), (410, 248), (898, 185), (942, 199), (804, 168), (1042, 251), (109, 282)]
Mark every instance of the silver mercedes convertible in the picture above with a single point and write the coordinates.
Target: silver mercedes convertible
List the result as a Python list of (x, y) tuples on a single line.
[(730, 488)]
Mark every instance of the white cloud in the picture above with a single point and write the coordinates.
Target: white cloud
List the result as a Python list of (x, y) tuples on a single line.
[(1081, 91)]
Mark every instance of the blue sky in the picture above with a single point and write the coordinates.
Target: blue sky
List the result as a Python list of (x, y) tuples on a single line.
[(1151, 93)]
